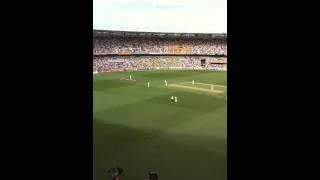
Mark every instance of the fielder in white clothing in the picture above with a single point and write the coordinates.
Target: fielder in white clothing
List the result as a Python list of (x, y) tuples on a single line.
[(175, 99), (165, 82), (172, 99), (148, 84)]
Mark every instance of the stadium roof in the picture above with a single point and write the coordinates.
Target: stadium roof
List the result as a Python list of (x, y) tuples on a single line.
[(109, 33)]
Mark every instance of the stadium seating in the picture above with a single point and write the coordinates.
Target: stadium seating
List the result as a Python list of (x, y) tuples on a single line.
[(158, 46), (113, 54), (101, 64)]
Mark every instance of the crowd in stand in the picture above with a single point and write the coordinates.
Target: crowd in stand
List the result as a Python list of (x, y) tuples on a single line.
[(108, 63), (143, 46), (217, 67), (107, 45)]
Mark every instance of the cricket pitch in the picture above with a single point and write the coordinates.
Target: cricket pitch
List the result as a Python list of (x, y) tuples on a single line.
[(194, 88)]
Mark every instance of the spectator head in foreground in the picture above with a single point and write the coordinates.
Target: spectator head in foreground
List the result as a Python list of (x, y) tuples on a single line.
[(152, 175)]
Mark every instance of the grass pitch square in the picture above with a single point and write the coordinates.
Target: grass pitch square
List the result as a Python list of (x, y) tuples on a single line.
[(138, 128)]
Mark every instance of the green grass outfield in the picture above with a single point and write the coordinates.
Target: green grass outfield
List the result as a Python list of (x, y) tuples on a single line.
[(137, 128)]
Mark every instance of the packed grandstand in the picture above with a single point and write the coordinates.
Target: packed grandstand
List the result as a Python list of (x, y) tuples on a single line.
[(122, 51)]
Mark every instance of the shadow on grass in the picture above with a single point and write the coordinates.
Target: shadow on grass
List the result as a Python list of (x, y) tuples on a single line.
[(175, 157)]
